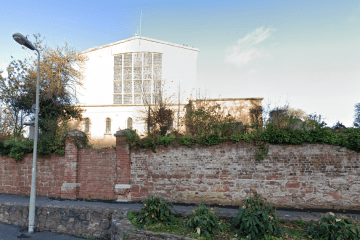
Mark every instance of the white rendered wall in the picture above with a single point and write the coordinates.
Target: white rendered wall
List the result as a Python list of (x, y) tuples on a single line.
[(118, 115), (178, 65), (96, 96)]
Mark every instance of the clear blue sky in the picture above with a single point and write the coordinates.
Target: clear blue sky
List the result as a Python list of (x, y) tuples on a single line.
[(306, 53)]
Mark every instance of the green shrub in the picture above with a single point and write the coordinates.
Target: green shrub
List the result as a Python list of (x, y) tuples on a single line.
[(132, 138), (17, 149), (187, 141), (256, 219), (147, 142), (4, 151), (166, 140), (331, 227), (206, 220), (212, 140), (155, 210)]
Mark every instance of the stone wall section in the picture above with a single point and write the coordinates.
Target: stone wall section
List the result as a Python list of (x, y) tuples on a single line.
[(123, 229), (299, 176), (92, 221)]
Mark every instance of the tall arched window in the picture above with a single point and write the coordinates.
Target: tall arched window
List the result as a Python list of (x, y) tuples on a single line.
[(129, 123), (108, 125), (87, 125)]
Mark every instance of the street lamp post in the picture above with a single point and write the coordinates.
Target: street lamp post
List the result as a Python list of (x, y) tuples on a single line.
[(24, 41)]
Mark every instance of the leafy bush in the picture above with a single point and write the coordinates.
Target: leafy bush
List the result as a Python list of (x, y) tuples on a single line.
[(205, 221), (4, 151), (155, 210), (213, 140), (203, 119), (132, 138), (349, 138), (331, 227), (208, 124), (256, 219), (187, 141), (16, 149), (166, 140)]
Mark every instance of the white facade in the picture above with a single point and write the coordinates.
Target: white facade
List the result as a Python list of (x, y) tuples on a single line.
[(118, 76)]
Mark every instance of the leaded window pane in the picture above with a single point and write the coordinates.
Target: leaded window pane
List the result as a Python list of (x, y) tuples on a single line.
[(137, 73), (147, 99), (118, 99), (157, 98), (118, 61), (128, 60), (137, 60), (127, 86), (147, 72), (117, 74), (157, 59), (147, 60), (146, 86), (118, 87), (127, 74), (137, 86), (137, 98), (157, 86), (157, 73), (128, 99)]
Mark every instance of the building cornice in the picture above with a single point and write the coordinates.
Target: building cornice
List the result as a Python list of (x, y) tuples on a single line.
[(228, 99), (127, 105), (138, 38)]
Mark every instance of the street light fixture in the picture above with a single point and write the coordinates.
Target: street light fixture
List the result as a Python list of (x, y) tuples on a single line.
[(24, 41)]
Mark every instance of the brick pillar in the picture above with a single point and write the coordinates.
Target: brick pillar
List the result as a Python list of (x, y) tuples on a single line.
[(122, 185), (71, 186)]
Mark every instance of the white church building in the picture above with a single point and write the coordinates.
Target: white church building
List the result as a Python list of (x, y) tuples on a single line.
[(117, 77)]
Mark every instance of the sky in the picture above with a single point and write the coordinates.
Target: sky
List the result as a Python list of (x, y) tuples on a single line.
[(302, 53)]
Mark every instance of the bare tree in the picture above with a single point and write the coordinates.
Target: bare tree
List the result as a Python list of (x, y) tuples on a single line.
[(59, 76), (158, 114), (357, 115)]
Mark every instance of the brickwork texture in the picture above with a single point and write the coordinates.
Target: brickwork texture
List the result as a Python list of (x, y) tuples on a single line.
[(291, 176)]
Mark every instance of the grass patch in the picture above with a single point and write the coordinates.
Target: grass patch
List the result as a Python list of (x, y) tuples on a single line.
[(293, 229)]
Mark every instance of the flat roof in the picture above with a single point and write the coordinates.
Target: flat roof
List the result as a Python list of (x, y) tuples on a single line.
[(140, 38)]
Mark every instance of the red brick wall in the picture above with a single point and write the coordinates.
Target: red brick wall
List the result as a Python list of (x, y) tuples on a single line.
[(97, 173), (303, 176), (15, 177), (92, 170)]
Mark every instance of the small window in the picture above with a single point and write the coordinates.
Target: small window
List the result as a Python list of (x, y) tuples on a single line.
[(129, 123), (87, 125), (108, 125)]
